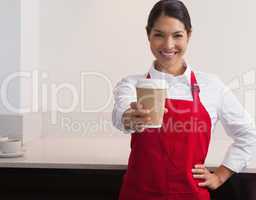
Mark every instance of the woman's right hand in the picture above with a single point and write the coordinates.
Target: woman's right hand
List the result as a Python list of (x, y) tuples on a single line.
[(135, 117)]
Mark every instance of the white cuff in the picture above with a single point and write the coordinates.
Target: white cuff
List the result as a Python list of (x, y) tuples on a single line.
[(117, 120)]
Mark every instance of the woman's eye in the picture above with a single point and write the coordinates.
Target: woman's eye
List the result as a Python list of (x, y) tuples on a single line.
[(158, 35), (178, 36)]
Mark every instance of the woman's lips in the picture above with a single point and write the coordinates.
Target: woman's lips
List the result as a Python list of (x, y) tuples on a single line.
[(168, 54)]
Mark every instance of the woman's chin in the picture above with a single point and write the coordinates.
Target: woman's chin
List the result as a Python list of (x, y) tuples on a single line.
[(166, 63)]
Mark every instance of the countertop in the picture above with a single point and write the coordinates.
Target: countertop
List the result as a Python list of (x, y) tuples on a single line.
[(93, 153)]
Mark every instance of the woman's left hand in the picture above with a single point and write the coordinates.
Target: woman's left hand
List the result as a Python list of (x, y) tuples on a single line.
[(211, 180)]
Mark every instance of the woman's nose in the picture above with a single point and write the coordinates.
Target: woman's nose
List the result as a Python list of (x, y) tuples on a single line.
[(169, 43)]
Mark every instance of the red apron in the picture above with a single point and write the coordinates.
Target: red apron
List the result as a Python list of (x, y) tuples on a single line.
[(161, 159)]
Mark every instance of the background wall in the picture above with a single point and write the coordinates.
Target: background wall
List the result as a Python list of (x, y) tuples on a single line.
[(10, 49), (60, 39), (10, 123)]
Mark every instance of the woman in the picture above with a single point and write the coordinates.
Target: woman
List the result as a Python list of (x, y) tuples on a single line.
[(169, 163)]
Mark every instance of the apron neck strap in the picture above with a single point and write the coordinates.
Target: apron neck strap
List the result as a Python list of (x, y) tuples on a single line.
[(148, 76), (194, 85)]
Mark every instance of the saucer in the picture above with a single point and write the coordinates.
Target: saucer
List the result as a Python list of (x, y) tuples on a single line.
[(12, 155)]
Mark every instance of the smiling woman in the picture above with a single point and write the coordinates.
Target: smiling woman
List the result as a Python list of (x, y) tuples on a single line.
[(168, 162), (169, 45), (169, 29)]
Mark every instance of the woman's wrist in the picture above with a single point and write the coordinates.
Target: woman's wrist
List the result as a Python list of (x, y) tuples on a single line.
[(223, 173)]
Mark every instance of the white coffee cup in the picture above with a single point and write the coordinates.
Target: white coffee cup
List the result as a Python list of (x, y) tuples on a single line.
[(151, 93), (10, 146)]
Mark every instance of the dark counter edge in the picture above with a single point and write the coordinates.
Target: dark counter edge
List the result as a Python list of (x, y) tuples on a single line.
[(39, 165)]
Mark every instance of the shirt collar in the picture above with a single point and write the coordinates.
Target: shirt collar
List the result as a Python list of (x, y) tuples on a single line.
[(185, 77)]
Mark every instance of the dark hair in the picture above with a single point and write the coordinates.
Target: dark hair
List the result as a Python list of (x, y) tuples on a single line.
[(170, 8)]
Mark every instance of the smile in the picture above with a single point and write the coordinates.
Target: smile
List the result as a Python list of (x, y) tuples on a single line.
[(168, 55)]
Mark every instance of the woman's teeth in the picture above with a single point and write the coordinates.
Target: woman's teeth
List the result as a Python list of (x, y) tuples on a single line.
[(167, 54)]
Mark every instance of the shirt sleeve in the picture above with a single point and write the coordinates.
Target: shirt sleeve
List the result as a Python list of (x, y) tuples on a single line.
[(239, 125), (124, 95)]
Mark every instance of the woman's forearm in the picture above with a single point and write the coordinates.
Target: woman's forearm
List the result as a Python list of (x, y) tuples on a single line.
[(223, 173)]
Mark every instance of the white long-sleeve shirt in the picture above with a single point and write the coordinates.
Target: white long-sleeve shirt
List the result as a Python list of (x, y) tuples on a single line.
[(218, 100)]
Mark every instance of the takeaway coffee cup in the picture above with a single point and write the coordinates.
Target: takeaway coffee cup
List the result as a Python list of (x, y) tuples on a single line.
[(10, 146), (151, 93)]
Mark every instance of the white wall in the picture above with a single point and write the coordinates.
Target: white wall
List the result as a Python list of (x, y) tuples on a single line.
[(9, 52), (108, 37), (99, 36), (29, 63), (10, 122)]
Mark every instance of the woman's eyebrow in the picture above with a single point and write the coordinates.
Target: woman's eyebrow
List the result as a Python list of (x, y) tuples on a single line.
[(156, 30), (176, 32)]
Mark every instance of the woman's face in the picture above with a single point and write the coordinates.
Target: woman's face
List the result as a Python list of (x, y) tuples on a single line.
[(168, 41)]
